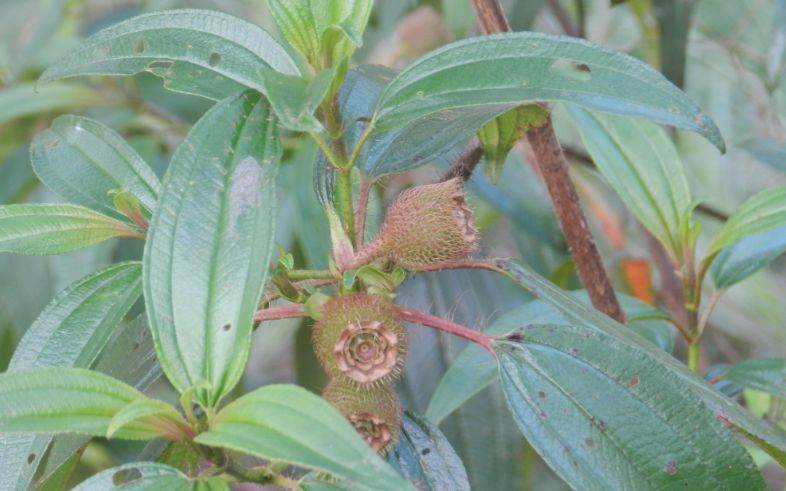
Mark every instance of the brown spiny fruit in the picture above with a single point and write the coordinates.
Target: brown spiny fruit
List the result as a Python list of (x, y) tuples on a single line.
[(358, 339), (375, 413), (428, 225)]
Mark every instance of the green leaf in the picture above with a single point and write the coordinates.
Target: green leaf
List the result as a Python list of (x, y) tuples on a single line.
[(498, 136), (436, 138), (771, 438), (326, 33), (200, 52), (288, 424), (473, 370), (42, 229), (71, 332), (765, 374), (747, 256), (506, 70), (640, 162), (295, 99), (209, 245), (82, 160), (148, 476), (425, 457), (763, 211), (559, 379), (67, 400), (154, 412), (18, 101)]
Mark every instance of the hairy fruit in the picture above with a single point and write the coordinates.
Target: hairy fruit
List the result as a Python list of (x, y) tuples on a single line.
[(359, 340), (375, 414)]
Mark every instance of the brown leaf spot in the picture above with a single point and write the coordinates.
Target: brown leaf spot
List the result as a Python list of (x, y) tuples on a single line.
[(226, 327), (541, 394), (634, 381), (30, 458), (590, 442), (671, 468)]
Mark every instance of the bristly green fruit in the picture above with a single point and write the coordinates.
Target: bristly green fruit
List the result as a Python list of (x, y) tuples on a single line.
[(359, 340), (375, 414)]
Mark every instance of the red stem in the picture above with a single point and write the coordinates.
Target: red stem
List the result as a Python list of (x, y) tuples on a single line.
[(419, 317), (361, 210), (277, 313)]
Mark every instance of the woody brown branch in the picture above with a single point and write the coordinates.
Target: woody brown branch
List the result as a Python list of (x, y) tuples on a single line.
[(554, 168)]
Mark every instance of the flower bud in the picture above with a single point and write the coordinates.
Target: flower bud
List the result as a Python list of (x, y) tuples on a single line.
[(359, 340), (429, 225), (375, 414)]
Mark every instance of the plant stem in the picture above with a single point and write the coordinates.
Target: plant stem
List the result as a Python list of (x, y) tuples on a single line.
[(554, 168), (323, 145), (693, 355), (345, 202), (278, 313), (418, 317), (361, 211), (465, 164)]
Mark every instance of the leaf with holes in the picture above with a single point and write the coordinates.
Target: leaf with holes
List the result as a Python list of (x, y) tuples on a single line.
[(82, 160), (559, 379), (55, 229), (770, 438), (747, 256), (200, 52), (759, 213), (641, 164), (502, 71), (288, 424), (424, 456), (473, 370), (209, 244), (148, 476), (70, 400), (71, 332)]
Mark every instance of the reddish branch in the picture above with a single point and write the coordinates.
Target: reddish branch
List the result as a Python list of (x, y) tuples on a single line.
[(465, 164), (554, 168), (278, 313), (419, 317), (361, 211)]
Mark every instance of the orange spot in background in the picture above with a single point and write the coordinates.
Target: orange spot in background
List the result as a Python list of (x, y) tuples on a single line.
[(639, 278)]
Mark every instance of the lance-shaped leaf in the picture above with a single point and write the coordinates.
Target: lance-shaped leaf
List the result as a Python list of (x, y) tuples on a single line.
[(209, 244), (148, 476), (200, 52), (771, 438), (641, 164), (747, 256), (324, 32), (474, 369), (507, 70), (18, 101), (559, 379), (70, 400), (761, 212), (286, 423), (437, 138), (55, 229), (765, 374), (71, 332), (82, 160), (426, 458)]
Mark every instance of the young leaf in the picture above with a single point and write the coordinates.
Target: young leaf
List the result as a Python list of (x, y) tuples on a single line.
[(209, 244), (437, 138), (68, 400), (71, 332), (498, 136), (288, 424), (148, 476), (771, 438), (326, 33), (473, 370), (55, 229), (23, 100), (506, 70), (641, 164), (765, 374), (424, 456), (156, 413), (200, 52), (763, 211), (82, 160), (559, 379), (747, 256)]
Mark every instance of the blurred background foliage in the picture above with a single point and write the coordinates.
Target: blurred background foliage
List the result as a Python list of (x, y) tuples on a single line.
[(727, 55)]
